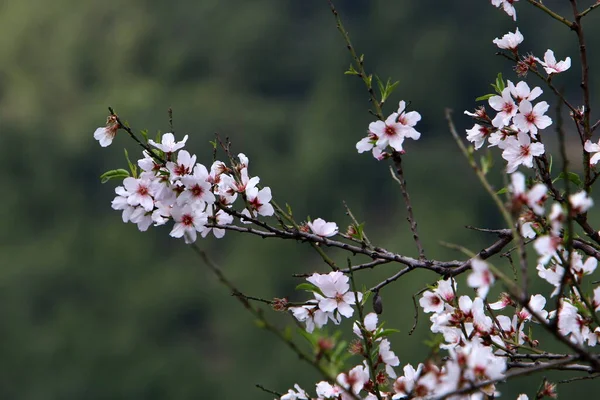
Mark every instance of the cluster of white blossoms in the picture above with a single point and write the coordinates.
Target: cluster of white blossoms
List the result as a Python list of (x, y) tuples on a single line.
[(391, 132), (514, 128), (333, 300), (171, 185)]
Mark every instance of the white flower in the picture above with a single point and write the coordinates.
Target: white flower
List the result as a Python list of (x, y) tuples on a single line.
[(259, 200), (481, 278), (551, 66), (508, 7), (477, 135), (120, 203), (168, 143), (596, 301), (580, 202), (537, 304), (370, 324), (520, 151), (534, 198), (547, 247), (388, 132), (299, 394), (140, 192), (322, 228), (431, 302), (197, 189), (355, 379), (334, 287), (188, 221), (510, 41), (530, 119), (184, 165), (388, 357), (408, 120), (523, 397), (221, 218), (505, 106), (311, 315), (552, 275), (327, 390), (405, 384), (106, 134), (592, 147), (522, 92), (571, 323)]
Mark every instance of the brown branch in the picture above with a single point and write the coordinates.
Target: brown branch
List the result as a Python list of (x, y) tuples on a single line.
[(399, 177)]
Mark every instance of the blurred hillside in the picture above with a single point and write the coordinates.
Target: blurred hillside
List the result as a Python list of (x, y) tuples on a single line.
[(91, 308)]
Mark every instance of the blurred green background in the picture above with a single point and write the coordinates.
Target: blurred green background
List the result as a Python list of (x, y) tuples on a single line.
[(91, 308)]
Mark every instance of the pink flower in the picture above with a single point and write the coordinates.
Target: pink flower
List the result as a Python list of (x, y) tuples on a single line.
[(188, 221), (520, 151), (481, 278), (505, 106), (530, 119), (551, 66), (168, 143)]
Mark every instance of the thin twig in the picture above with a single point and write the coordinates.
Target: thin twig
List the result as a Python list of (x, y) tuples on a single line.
[(399, 177)]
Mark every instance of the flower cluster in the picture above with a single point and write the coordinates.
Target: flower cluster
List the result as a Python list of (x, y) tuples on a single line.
[(333, 299), (391, 132), (515, 126), (171, 185)]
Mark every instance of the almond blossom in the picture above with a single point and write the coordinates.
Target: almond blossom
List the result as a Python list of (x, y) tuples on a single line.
[(168, 143), (508, 7), (551, 66), (322, 228), (592, 147), (531, 118), (188, 221), (481, 278), (521, 91), (520, 151), (510, 41), (336, 294), (505, 106)]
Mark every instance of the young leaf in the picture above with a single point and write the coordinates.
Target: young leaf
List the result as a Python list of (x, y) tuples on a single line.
[(114, 174), (351, 71), (132, 166), (485, 97)]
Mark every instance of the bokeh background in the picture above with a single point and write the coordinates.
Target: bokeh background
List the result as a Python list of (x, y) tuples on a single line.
[(91, 308)]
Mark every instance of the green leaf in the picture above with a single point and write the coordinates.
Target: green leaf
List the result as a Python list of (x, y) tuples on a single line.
[(502, 191), (500, 82), (386, 332), (309, 287), (289, 209), (551, 161), (486, 163), (351, 71), (132, 166), (380, 86), (144, 133), (572, 176), (306, 286), (485, 97), (365, 298), (114, 174)]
